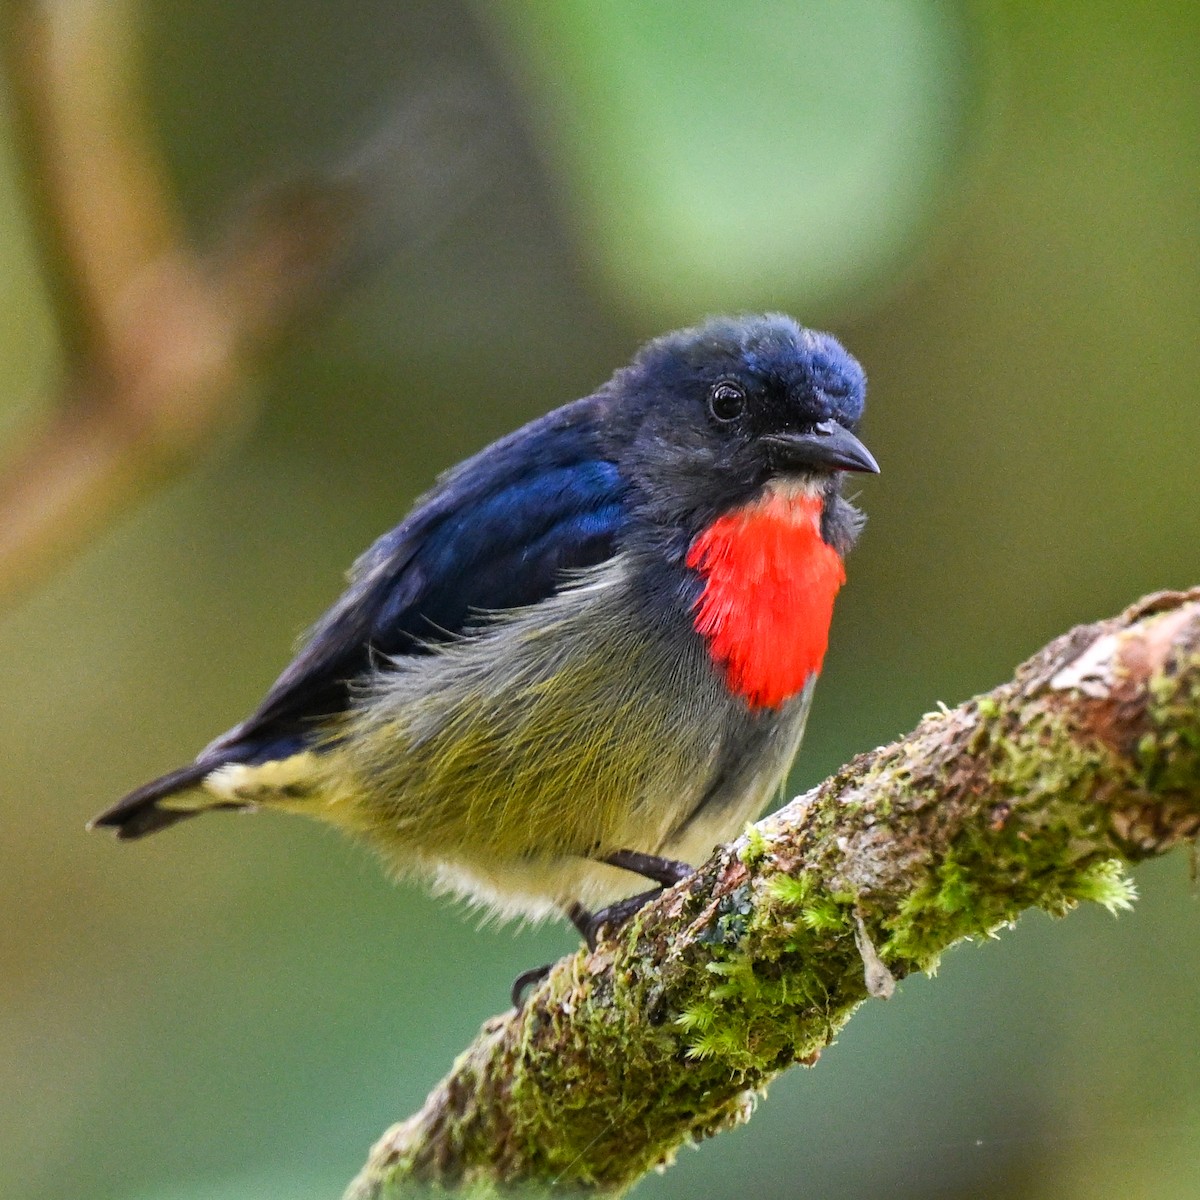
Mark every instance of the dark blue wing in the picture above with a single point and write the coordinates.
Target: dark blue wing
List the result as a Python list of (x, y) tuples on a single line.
[(498, 531)]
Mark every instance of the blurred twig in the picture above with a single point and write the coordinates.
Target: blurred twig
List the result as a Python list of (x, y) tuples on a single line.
[(156, 334), (1031, 795)]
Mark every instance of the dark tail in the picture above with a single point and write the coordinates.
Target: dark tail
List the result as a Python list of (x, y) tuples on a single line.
[(139, 813)]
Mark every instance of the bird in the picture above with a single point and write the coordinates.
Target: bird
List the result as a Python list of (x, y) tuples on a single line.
[(588, 653)]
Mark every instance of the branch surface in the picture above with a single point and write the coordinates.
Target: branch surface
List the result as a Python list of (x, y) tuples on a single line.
[(1035, 794)]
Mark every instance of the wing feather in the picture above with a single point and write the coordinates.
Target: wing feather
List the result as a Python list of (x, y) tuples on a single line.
[(497, 532)]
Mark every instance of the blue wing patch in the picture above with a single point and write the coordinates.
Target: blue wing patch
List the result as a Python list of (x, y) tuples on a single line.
[(497, 532), (508, 550)]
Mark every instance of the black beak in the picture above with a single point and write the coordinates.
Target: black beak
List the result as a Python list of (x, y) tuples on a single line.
[(827, 447)]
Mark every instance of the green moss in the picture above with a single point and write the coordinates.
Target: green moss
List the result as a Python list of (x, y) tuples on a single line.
[(1044, 853), (755, 849), (1106, 883), (723, 1042), (1046, 758), (823, 915), (700, 1018), (1169, 755), (758, 1017), (808, 915), (791, 891), (763, 1012), (932, 918)]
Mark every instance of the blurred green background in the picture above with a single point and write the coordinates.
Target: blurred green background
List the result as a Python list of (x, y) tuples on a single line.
[(997, 207)]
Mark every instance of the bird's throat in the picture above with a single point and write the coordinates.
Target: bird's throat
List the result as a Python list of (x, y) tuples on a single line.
[(769, 582)]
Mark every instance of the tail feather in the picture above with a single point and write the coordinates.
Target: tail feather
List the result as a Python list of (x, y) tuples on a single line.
[(139, 813)]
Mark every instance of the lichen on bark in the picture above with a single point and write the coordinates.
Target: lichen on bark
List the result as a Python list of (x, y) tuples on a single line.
[(1034, 795)]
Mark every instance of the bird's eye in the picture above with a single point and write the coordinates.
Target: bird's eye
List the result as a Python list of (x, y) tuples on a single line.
[(726, 401)]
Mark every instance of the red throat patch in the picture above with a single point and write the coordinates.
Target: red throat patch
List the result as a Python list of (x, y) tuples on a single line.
[(769, 586)]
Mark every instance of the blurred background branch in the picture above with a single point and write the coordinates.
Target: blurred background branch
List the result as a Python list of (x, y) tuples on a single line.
[(1032, 795), (157, 334)]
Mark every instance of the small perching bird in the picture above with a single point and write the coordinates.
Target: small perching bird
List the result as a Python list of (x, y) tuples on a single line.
[(590, 649)]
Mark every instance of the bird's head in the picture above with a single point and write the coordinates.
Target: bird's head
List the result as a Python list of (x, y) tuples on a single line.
[(716, 415)]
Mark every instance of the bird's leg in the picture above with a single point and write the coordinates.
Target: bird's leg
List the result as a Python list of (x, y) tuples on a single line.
[(667, 871), (590, 924), (663, 871), (582, 919)]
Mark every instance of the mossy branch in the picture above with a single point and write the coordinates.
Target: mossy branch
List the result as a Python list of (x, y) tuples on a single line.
[(1033, 795)]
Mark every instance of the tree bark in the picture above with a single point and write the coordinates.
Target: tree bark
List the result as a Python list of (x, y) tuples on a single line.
[(1035, 794)]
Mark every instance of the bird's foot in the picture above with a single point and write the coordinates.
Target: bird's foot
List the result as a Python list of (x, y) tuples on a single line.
[(664, 871), (592, 924), (527, 980)]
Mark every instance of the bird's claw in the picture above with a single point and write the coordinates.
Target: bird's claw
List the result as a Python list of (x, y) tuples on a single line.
[(527, 980)]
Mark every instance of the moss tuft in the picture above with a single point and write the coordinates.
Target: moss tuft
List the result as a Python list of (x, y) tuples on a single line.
[(1105, 883), (791, 891), (755, 849), (823, 915)]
